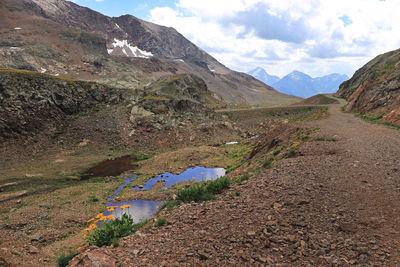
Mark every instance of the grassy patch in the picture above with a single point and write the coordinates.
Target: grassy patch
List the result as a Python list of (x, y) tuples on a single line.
[(64, 259), (92, 199), (169, 205), (196, 192), (218, 185), (378, 120), (160, 222), (327, 139), (140, 156), (267, 164), (242, 178), (203, 191)]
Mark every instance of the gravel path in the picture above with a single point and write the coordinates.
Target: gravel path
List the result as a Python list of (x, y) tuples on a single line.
[(337, 203)]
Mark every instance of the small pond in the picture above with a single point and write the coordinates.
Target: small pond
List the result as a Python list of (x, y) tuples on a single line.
[(197, 174), (141, 210)]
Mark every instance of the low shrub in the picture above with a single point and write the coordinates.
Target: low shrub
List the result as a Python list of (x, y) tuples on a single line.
[(113, 230), (195, 192), (218, 185), (64, 259)]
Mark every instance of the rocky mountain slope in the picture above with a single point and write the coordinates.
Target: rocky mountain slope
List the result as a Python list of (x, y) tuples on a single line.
[(60, 37), (374, 90), (300, 84), (30, 101)]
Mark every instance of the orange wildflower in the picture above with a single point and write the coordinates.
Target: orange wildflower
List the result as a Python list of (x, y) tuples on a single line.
[(93, 226), (88, 229), (99, 215), (111, 217), (91, 220)]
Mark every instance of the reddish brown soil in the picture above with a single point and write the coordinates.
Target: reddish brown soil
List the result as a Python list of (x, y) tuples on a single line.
[(336, 203)]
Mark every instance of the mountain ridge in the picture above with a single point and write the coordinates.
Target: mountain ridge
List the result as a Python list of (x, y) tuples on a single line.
[(300, 84), (121, 40)]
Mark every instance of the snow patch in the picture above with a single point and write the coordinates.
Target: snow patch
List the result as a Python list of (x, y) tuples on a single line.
[(58, 74), (179, 60), (117, 26), (15, 48), (42, 70), (211, 68), (232, 143), (17, 28), (129, 50)]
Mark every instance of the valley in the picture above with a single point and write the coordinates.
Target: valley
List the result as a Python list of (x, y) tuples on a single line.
[(122, 143)]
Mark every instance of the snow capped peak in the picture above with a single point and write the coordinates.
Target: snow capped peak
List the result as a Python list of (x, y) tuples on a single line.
[(128, 50)]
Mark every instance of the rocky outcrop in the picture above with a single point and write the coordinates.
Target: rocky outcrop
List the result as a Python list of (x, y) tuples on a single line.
[(179, 94), (374, 89), (29, 101)]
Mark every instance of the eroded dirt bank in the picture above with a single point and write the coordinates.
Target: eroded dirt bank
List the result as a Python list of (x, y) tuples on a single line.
[(333, 203)]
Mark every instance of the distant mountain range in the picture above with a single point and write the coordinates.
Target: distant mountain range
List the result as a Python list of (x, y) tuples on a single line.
[(300, 84)]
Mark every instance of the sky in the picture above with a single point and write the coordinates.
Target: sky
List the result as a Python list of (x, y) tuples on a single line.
[(317, 37)]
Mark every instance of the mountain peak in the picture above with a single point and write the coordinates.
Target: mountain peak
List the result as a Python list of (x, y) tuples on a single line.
[(260, 74)]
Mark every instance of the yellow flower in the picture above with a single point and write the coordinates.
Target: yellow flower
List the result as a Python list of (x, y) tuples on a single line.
[(93, 226), (111, 217), (96, 221), (91, 220), (111, 208), (194, 178), (84, 236), (202, 173), (99, 215), (88, 229), (125, 206), (103, 218)]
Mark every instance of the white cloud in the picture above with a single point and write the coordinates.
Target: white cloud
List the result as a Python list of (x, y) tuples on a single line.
[(317, 37)]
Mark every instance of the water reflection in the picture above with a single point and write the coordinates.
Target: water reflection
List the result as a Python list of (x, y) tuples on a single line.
[(139, 210), (197, 174), (119, 189)]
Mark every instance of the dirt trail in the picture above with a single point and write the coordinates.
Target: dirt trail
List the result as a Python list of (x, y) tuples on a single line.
[(336, 203)]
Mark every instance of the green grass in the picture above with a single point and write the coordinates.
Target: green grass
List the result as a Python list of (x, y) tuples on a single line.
[(64, 259), (196, 192), (140, 156), (169, 205), (267, 164), (277, 151), (218, 185), (290, 153), (242, 178), (203, 191), (327, 139), (378, 120), (160, 222), (92, 199), (234, 166)]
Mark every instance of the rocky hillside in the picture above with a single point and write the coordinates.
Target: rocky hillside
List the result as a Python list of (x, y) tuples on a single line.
[(374, 90), (60, 37), (30, 101)]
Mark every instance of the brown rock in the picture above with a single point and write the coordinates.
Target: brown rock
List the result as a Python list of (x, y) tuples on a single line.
[(93, 258)]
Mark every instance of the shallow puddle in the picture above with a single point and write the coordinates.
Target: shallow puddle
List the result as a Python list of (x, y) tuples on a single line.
[(196, 174), (111, 167), (140, 210)]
